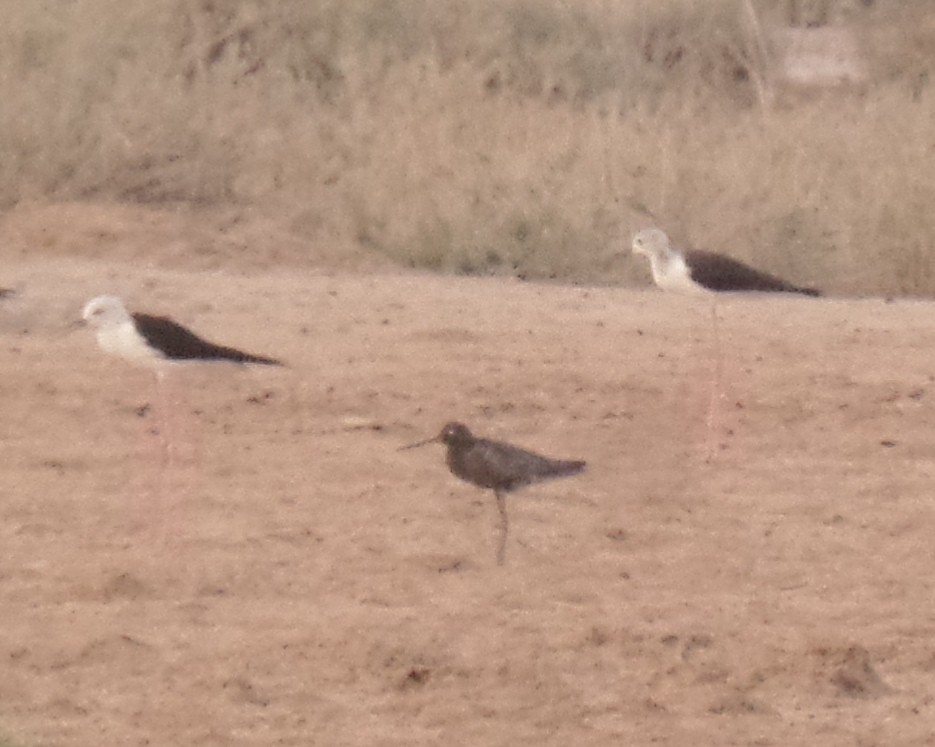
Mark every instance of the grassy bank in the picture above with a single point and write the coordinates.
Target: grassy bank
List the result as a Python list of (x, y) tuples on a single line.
[(517, 137)]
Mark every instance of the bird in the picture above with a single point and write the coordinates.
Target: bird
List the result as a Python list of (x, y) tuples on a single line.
[(6, 292), (706, 274), (499, 466), (694, 271), (156, 343), (152, 341)]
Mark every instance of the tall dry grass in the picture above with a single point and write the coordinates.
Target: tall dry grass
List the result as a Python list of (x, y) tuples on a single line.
[(521, 136)]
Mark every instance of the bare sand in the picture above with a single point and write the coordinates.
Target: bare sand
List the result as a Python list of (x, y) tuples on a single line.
[(283, 575)]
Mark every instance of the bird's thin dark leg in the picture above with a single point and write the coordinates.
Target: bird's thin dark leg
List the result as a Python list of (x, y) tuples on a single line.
[(504, 526)]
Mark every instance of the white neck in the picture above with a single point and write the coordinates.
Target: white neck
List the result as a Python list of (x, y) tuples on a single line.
[(671, 274), (122, 339)]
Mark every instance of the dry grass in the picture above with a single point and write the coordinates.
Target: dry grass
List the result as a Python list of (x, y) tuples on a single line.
[(516, 136)]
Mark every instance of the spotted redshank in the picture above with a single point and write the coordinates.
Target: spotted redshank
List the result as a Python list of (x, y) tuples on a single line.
[(496, 465)]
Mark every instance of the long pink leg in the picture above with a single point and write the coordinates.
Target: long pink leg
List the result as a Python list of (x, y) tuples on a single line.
[(162, 420), (712, 421), (504, 527), (155, 513)]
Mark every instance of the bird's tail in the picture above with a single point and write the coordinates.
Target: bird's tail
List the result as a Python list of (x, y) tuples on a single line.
[(814, 292), (561, 468), (247, 358), (220, 352)]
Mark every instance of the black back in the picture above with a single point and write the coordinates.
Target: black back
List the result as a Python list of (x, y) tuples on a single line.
[(719, 273), (178, 343)]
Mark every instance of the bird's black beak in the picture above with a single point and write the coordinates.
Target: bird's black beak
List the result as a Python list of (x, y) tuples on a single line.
[(432, 440), (77, 324)]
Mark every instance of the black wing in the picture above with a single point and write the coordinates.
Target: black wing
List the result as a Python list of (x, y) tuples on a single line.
[(719, 273), (178, 343), (493, 464)]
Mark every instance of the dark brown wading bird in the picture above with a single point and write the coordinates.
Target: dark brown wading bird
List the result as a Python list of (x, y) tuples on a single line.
[(496, 465)]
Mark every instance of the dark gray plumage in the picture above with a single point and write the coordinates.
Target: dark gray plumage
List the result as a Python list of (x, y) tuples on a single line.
[(499, 466)]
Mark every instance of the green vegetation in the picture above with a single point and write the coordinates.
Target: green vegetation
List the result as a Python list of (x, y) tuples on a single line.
[(503, 136)]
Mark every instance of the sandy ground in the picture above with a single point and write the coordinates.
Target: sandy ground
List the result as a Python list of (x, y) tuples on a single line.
[(281, 574)]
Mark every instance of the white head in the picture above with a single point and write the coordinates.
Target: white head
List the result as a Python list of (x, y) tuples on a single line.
[(669, 268), (652, 243), (105, 312), (116, 331)]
